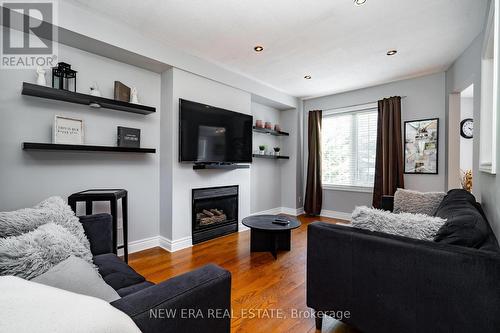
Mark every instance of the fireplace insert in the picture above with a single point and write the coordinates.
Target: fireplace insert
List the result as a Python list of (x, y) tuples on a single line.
[(215, 212)]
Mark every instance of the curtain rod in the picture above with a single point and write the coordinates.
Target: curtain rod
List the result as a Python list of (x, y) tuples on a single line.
[(353, 105)]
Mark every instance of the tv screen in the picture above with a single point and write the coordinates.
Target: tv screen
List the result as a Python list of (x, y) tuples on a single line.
[(209, 134)]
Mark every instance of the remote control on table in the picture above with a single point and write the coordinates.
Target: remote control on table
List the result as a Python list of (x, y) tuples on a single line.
[(281, 221)]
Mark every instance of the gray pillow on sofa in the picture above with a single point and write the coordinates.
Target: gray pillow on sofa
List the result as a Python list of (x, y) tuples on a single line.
[(53, 209), (407, 201), (77, 275), (418, 226), (35, 252)]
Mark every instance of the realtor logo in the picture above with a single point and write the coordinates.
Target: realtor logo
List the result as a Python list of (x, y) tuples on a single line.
[(28, 35)]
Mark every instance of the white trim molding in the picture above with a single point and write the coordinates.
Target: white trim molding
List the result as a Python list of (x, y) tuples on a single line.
[(330, 187), (175, 245), (336, 215), (141, 245)]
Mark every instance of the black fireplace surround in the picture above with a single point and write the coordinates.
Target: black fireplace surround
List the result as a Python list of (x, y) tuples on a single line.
[(215, 212)]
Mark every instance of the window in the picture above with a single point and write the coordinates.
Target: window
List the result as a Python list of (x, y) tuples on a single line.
[(349, 143)]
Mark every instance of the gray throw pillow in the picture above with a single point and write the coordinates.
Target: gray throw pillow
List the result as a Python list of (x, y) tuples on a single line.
[(77, 275), (407, 201), (418, 226), (35, 252), (53, 209)]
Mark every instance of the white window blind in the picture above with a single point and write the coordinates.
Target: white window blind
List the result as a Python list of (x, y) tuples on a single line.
[(349, 142)]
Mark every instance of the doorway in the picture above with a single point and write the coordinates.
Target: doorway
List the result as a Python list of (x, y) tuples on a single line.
[(460, 136)]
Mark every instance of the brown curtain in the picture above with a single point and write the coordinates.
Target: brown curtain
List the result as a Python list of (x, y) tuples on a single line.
[(314, 188), (389, 159)]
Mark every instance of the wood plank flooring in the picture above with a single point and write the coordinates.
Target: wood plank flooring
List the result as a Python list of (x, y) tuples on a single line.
[(259, 283)]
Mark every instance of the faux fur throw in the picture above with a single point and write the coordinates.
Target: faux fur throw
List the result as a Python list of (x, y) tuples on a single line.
[(35, 252), (417, 226), (406, 201), (53, 210)]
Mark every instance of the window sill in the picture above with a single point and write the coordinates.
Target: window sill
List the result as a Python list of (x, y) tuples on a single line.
[(347, 188)]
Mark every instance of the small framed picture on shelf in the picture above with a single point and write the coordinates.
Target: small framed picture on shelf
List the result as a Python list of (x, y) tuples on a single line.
[(67, 130)]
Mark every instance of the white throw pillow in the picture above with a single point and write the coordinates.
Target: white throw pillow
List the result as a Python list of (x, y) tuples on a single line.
[(52, 210), (407, 201), (77, 275), (417, 226), (27, 306), (35, 252)]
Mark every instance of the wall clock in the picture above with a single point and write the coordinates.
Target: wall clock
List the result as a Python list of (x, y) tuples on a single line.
[(467, 128)]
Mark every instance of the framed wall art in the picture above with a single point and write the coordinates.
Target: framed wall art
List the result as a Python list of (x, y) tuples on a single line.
[(421, 146), (67, 130)]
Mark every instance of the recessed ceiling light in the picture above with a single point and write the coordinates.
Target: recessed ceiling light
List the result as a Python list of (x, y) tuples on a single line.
[(392, 52), (307, 77), (258, 48), (359, 2)]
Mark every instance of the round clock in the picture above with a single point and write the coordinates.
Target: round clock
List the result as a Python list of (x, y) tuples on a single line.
[(467, 128)]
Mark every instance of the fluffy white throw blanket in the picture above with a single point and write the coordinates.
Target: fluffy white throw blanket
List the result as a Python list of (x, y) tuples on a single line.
[(417, 226)]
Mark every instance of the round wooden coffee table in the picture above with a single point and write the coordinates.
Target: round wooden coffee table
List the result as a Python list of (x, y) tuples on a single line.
[(266, 236)]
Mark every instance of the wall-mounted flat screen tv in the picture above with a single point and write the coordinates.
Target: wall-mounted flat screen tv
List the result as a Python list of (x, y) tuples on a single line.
[(208, 134)]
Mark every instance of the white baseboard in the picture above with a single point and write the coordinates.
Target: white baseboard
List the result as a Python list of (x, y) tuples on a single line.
[(175, 245), (272, 211), (141, 244), (336, 215), (281, 210)]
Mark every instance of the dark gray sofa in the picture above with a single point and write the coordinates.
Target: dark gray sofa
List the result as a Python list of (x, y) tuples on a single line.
[(207, 290), (396, 284)]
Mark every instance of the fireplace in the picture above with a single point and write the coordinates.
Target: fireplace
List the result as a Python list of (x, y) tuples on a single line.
[(215, 212)]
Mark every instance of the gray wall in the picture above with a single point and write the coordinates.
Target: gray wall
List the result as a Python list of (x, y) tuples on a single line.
[(465, 71), (276, 183), (425, 99), (27, 177), (265, 174)]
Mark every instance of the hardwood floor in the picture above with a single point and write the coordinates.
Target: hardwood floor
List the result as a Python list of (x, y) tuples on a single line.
[(259, 282)]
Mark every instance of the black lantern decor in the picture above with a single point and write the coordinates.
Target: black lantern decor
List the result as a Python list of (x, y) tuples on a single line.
[(63, 77)]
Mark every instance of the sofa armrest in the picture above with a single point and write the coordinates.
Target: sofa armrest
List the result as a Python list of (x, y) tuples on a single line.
[(387, 203), (99, 231), (198, 301), (396, 284)]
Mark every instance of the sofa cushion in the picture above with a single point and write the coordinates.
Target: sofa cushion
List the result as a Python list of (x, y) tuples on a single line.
[(407, 201), (116, 272), (134, 288), (465, 225), (35, 252), (78, 276)]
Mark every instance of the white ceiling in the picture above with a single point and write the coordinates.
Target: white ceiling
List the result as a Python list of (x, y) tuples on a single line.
[(342, 46)]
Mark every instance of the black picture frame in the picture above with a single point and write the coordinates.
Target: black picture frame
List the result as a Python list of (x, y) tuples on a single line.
[(409, 172)]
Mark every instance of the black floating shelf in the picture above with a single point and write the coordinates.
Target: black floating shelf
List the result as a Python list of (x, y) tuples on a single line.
[(55, 146), (274, 157), (220, 166), (269, 131), (36, 90)]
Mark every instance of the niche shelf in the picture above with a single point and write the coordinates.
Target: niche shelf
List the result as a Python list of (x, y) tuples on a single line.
[(273, 157), (30, 89), (270, 131), (88, 148)]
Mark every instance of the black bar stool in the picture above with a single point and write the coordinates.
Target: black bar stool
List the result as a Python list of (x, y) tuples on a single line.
[(111, 195)]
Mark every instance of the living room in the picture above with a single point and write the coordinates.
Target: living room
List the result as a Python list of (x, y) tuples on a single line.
[(221, 160)]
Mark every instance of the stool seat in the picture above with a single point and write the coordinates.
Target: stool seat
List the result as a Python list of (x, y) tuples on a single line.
[(111, 195)]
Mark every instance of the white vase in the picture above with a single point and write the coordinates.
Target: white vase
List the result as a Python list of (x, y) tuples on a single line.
[(40, 79), (133, 96)]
